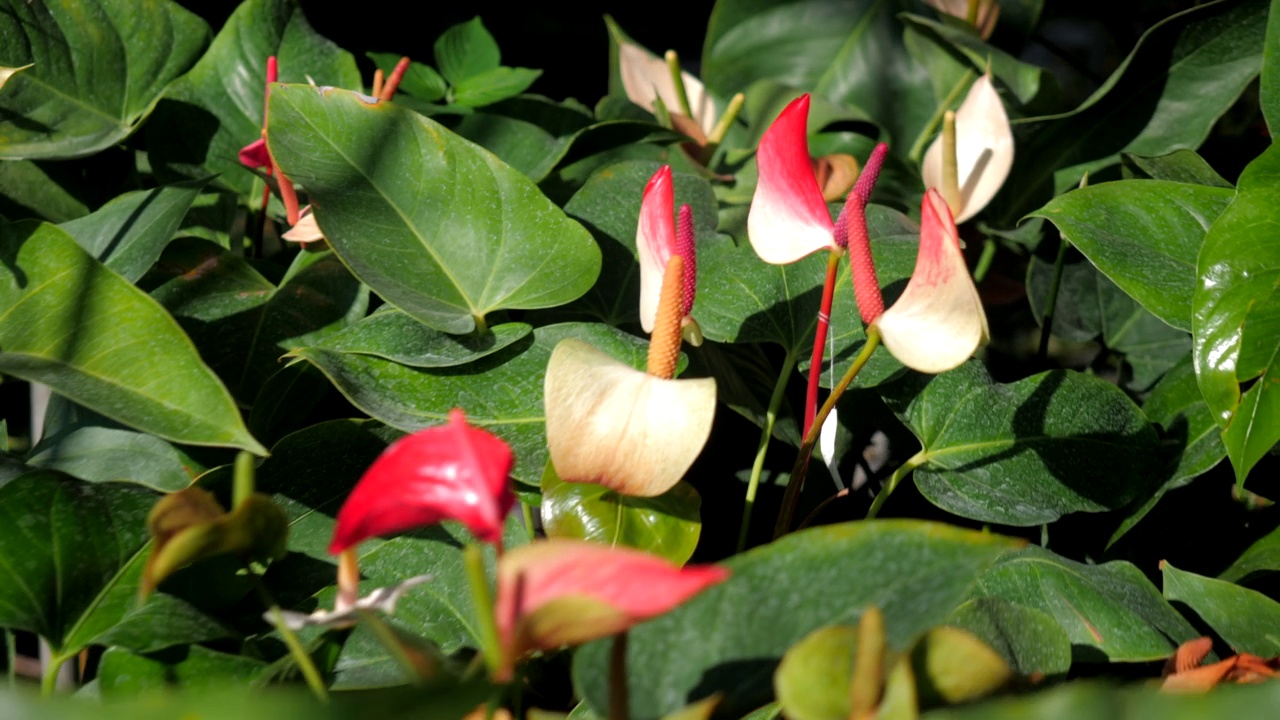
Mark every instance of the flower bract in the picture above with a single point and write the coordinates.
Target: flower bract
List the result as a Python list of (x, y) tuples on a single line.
[(984, 150)]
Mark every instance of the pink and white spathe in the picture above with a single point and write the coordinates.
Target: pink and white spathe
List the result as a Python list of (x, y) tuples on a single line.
[(658, 238), (938, 321)]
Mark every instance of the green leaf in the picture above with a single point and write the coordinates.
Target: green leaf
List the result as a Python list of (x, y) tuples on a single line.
[(216, 109), (1077, 700), (730, 638), (392, 335), (501, 393), (518, 143), (103, 454), (812, 681), (1236, 324), (493, 85), (1269, 89), (1144, 235), (1246, 619), (123, 675), (466, 50), (420, 81), (286, 399), (1109, 611), (242, 323), (467, 235), (1029, 640), (128, 233), (1183, 74), (1188, 433), (952, 666), (1183, 166), (41, 191), (1028, 452), (1020, 77), (1262, 557), (667, 525), (97, 71), (91, 336)]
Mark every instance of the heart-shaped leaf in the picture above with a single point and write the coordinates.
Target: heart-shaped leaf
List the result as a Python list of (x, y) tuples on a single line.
[(1029, 640), (1248, 620), (1110, 608), (730, 638), (99, 341), (1144, 235), (1028, 452), (1183, 166), (1236, 325), (392, 335), (469, 235), (107, 454), (96, 71)]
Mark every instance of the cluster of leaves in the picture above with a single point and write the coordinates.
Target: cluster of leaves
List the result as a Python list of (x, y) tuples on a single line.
[(472, 226)]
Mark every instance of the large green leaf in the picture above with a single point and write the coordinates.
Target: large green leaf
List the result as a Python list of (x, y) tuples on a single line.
[(1262, 557), (1103, 700), (1269, 91), (128, 233), (1028, 452), (72, 324), (241, 322), (97, 70), (1236, 323), (216, 109), (106, 454), (392, 335), (466, 236), (729, 638), (1022, 78), (40, 190), (1144, 235), (501, 392), (1184, 73), (1110, 611), (1029, 640), (1248, 620), (123, 674)]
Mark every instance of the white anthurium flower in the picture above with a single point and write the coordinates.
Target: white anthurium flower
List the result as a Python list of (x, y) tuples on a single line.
[(938, 321), (613, 425), (984, 150), (984, 23), (645, 76), (382, 600)]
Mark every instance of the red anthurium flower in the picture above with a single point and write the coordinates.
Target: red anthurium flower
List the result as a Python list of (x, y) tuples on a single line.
[(448, 472), (658, 238), (563, 592)]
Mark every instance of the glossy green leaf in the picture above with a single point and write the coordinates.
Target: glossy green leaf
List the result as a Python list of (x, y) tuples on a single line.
[(123, 674), (469, 235), (493, 85), (1269, 89), (519, 143), (1192, 444), (216, 109), (41, 191), (1144, 235), (501, 393), (1246, 619), (285, 402), (128, 233), (953, 666), (97, 71), (608, 204), (1133, 702), (466, 50), (1184, 73), (1236, 325), (667, 525), (1183, 166), (104, 454), (1020, 77), (1262, 557), (730, 638), (86, 332), (812, 681), (1028, 452), (392, 335), (1109, 611), (241, 322), (420, 80), (1029, 640)]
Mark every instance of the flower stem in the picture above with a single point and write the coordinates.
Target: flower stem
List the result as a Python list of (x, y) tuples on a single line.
[(11, 656), (820, 338), (49, 681), (796, 481), (766, 432), (482, 599), (619, 702), (242, 479), (989, 247), (912, 463), (300, 655), (527, 511), (918, 147), (1051, 302)]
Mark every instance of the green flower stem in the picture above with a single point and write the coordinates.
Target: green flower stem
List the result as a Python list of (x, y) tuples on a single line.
[(980, 270), (242, 482), (11, 656), (912, 463), (385, 635), (677, 79), (49, 682), (482, 600), (300, 655), (794, 483), (766, 432), (527, 511), (1051, 302), (619, 702), (918, 147)]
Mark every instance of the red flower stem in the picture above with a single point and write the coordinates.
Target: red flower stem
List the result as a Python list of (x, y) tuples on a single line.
[(393, 80), (820, 338), (619, 700), (796, 481)]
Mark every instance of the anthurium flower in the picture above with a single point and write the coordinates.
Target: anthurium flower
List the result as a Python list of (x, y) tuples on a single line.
[(647, 78), (657, 240), (985, 15), (938, 322), (449, 472), (564, 592), (613, 425), (983, 152)]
